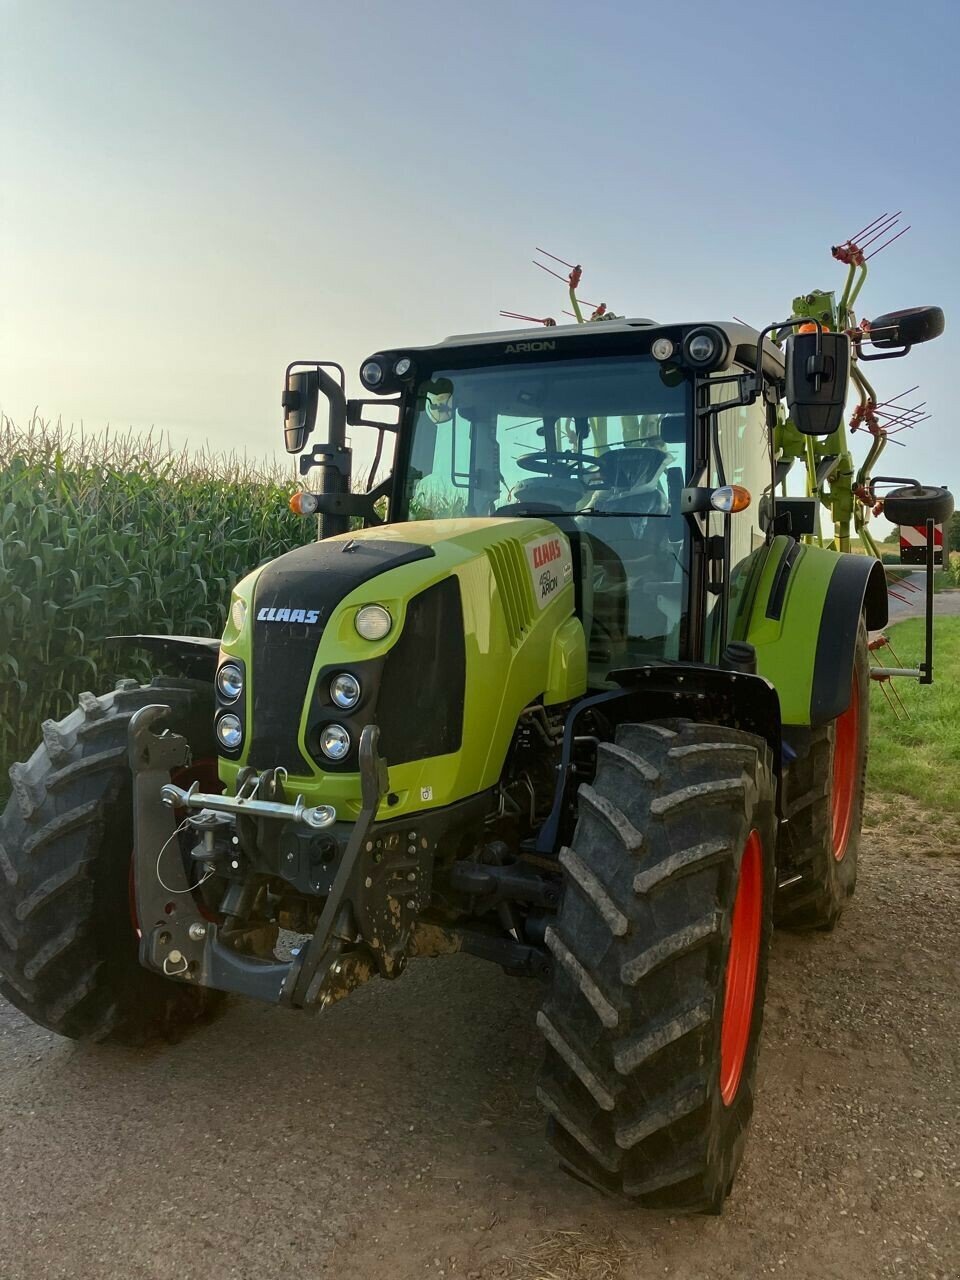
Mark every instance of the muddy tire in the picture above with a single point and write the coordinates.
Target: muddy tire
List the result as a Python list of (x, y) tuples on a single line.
[(660, 950), (823, 810), (68, 947)]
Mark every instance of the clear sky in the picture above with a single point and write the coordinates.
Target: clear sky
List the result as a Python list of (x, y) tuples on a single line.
[(195, 193)]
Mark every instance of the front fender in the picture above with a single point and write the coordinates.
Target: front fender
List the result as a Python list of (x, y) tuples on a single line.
[(192, 656), (803, 624)]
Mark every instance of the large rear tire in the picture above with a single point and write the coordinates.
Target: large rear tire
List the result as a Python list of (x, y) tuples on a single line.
[(823, 810), (68, 945), (660, 960)]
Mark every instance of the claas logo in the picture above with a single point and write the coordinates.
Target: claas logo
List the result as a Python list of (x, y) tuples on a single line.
[(546, 553)]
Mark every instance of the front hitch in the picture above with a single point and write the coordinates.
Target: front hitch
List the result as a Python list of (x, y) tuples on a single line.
[(365, 904), (175, 939)]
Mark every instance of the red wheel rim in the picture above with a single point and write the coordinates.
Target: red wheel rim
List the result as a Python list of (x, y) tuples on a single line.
[(742, 963), (845, 743), (206, 773)]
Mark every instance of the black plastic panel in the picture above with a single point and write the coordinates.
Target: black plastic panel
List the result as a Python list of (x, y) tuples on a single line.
[(420, 708)]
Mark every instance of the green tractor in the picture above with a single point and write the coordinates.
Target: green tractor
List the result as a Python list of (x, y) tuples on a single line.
[(574, 689)]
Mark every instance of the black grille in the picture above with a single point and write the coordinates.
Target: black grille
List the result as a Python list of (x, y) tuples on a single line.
[(420, 707)]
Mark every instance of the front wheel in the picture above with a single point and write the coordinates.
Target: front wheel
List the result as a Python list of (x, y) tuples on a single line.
[(68, 940), (660, 960)]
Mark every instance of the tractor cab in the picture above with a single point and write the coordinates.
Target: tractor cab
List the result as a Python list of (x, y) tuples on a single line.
[(601, 429)]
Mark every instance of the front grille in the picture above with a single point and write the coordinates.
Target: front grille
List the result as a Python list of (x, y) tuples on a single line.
[(509, 563), (420, 705)]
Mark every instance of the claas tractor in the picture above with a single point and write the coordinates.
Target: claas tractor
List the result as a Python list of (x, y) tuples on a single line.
[(576, 688)]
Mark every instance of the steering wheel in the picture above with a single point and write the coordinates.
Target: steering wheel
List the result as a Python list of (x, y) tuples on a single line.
[(559, 465)]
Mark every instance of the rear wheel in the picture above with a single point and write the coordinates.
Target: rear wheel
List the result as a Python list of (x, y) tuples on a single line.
[(68, 941), (660, 959), (824, 793)]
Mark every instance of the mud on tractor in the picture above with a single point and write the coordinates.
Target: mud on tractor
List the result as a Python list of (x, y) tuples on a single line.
[(576, 689)]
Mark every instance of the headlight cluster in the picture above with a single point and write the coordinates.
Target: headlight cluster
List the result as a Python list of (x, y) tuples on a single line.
[(704, 349), (386, 374), (372, 622), (345, 693), (230, 687)]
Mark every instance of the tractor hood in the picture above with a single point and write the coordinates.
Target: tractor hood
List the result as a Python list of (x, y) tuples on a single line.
[(480, 625)]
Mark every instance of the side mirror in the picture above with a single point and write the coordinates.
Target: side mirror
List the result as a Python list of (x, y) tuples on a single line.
[(818, 372), (300, 397), (906, 328)]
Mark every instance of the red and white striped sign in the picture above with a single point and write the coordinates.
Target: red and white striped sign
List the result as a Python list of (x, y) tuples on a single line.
[(913, 543)]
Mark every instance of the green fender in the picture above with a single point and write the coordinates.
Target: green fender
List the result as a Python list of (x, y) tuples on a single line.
[(801, 610)]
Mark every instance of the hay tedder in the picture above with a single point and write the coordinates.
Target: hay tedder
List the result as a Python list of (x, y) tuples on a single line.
[(579, 687)]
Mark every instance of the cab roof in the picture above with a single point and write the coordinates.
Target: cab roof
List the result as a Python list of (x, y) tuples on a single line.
[(739, 336)]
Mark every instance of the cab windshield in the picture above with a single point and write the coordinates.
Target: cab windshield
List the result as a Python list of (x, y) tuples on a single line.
[(599, 445), (581, 437)]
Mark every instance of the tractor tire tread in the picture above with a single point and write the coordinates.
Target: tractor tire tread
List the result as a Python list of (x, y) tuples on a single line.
[(630, 1076)]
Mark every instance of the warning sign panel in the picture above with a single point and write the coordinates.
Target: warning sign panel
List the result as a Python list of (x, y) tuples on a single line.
[(913, 544)]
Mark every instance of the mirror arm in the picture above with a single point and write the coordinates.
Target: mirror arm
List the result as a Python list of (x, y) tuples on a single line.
[(318, 364), (353, 504), (355, 416), (880, 355)]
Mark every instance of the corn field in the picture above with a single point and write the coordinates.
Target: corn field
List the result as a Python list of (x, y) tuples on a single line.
[(113, 534)]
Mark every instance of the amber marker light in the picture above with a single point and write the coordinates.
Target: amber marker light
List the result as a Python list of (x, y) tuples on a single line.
[(730, 498), (303, 504)]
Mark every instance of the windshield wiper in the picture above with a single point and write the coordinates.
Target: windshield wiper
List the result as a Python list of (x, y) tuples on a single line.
[(609, 515)]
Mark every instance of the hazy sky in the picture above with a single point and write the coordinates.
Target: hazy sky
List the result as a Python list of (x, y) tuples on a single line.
[(196, 193)]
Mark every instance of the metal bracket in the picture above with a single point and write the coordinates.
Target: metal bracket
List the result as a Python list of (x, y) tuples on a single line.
[(175, 940), (327, 455)]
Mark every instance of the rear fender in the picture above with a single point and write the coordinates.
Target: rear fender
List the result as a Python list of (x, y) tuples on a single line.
[(803, 624)]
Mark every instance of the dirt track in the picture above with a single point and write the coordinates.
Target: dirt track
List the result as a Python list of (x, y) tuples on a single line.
[(397, 1135)]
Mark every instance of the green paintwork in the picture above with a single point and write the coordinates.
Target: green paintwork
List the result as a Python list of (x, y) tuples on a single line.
[(516, 652), (819, 304), (787, 646)]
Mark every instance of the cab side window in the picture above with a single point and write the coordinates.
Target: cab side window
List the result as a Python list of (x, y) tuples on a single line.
[(745, 450)]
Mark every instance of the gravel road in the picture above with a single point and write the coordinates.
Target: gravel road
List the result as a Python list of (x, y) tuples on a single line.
[(909, 599), (397, 1134)]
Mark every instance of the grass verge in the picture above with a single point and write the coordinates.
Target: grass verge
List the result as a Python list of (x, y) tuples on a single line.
[(914, 772)]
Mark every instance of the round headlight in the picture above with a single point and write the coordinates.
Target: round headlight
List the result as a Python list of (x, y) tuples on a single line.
[(334, 741), (703, 348), (371, 375), (662, 349), (403, 366), (230, 732), (345, 690), (238, 613), (373, 622), (230, 681)]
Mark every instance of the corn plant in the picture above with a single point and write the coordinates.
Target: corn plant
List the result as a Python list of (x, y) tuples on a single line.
[(115, 534)]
